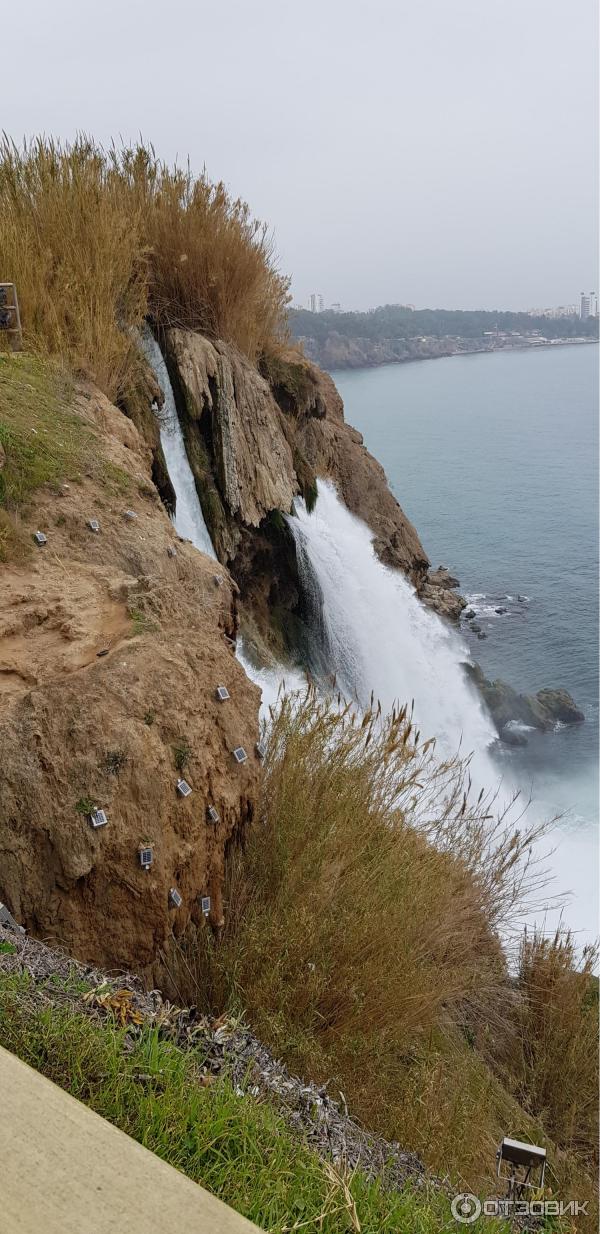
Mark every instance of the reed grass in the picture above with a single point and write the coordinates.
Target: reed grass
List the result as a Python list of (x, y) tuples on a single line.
[(96, 240), (363, 936)]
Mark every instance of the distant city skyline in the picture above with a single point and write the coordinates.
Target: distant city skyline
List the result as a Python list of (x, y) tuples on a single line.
[(586, 306)]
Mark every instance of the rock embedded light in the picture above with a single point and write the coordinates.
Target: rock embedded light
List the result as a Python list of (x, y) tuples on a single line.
[(40, 538), (145, 856), (223, 694), (175, 898), (98, 818), (240, 755), (183, 788), (212, 814)]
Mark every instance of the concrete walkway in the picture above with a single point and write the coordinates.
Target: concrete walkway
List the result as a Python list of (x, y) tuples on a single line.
[(65, 1170)]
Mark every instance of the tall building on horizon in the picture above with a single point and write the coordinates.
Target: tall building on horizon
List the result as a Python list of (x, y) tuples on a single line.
[(585, 306)]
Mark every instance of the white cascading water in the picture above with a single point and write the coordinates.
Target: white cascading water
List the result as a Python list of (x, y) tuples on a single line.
[(188, 518), (376, 636)]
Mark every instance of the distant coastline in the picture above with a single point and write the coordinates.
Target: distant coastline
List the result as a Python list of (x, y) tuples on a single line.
[(396, 334), (362, 353)]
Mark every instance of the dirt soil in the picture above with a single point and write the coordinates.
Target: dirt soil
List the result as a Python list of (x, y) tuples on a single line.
[(111, 650)]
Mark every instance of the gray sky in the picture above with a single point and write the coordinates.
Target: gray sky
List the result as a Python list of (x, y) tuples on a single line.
[(440, 152)]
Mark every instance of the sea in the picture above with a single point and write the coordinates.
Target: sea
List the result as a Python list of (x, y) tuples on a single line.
[(494, 458)]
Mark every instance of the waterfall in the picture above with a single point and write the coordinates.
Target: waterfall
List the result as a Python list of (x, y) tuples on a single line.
[(375, 635), (188, 518)]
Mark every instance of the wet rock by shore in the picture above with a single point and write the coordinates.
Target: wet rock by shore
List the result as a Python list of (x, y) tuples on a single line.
[(539, 711)]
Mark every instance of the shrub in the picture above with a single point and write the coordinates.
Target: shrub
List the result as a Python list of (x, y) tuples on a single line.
[(362, 927), (71, 241), (95, 240), (557, 1040)]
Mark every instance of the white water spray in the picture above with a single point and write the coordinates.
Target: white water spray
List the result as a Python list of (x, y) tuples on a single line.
[(188, 518), (377, 637)]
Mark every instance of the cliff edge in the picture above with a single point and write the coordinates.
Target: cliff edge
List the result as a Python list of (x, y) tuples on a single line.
[(112, 644)]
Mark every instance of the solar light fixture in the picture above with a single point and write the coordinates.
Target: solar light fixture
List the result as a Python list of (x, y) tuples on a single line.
[(183, 788), (98, 818), (240, 755), (218, 580), (175, 899), (205, 905), (8, 921), (145, 856), (94, 525), (223, 694), (212, 814), (130, 515), (171, 550), (525, 1166), (40, 538), (261, 748)]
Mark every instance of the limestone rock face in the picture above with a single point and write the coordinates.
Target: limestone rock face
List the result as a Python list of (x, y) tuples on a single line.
[(256, 442), (250, 449), (111, 650)]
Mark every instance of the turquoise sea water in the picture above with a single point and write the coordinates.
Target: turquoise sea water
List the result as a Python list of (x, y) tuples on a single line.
[(495, 459)]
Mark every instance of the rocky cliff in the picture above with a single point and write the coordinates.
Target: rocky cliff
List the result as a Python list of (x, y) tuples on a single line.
[(112, 644), (258, 439)]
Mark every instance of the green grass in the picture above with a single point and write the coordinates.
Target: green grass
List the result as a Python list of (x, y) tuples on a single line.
[(44, 442), (237, 1147)]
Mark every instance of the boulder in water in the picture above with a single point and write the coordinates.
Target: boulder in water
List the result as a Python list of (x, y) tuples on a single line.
[(541, 710)]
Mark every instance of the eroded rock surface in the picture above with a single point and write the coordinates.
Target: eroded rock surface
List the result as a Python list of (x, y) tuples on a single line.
[(110, 654), (538, 711), (255, 442)]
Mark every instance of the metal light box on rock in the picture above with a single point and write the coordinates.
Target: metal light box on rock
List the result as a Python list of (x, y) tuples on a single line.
[(98, 818), (261, 749), (8, 921), (205, 905), (94, 525), (240, 755), (183, 788), (40, 538), (213, 814), (145, 857), (222, 694), (175, 899)]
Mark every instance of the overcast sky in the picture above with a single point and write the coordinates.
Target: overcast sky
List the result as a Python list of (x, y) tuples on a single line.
[(439, 152)]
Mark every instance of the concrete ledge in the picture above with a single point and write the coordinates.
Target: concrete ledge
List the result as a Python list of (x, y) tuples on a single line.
[(65, 1170)]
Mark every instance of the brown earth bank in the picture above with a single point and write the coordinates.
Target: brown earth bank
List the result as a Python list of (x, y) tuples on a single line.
[(112, 645)]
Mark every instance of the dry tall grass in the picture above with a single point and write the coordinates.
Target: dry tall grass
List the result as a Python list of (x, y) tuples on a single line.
[(72, 246), (96, 239), (363, 943), (557, 1040), (362, 928)]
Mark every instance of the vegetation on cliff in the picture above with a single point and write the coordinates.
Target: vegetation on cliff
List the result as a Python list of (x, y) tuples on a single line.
[(239, 1149), (96, 240), (393, 321), (363, 943)]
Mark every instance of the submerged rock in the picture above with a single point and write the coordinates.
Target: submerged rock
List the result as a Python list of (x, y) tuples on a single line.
[(540, 711)]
